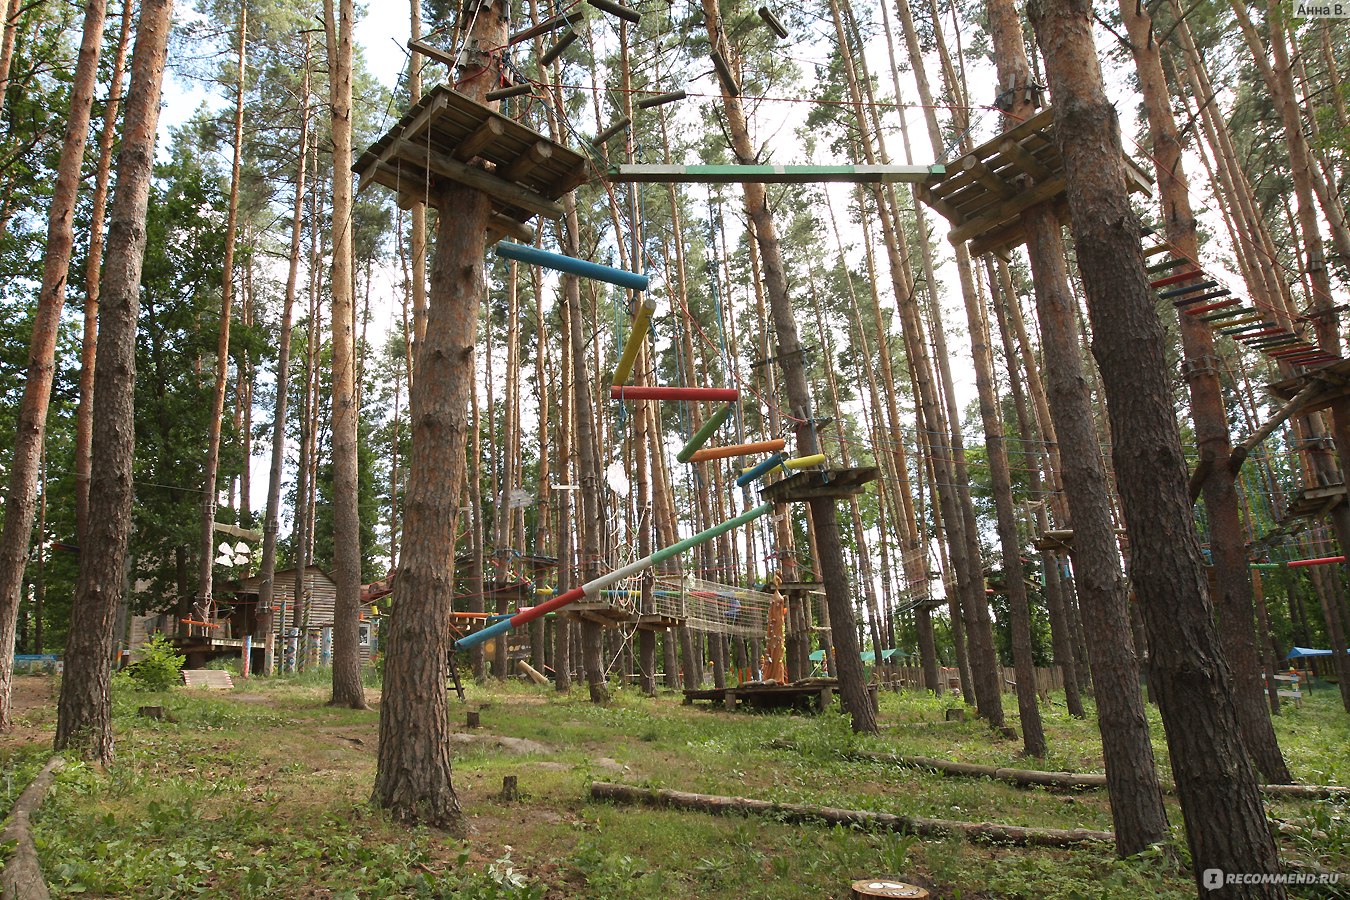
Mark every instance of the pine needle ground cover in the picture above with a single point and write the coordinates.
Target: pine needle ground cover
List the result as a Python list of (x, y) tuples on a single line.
[(263, 792)]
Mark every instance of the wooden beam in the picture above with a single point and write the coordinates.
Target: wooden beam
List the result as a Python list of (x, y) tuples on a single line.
[(511, 228), (479, 140), (536, 154), (435, 53), (1023, 159), (1041, 193), (985, 176), (479, 179)]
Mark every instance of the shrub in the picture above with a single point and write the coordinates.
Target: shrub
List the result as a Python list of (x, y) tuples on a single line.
[(158, 667)]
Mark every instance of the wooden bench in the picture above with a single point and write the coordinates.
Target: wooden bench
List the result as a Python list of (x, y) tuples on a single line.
[(210, 679)]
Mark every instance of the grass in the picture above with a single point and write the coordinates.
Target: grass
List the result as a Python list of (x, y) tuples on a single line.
[(265, 792)]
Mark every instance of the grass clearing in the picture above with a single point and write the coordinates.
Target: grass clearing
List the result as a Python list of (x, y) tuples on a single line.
[(264, 792)]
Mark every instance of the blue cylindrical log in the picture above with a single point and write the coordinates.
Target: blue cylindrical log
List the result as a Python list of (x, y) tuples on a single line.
[(572, 265), (761, 470)]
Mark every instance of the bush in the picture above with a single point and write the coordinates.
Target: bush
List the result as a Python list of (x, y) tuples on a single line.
[(158, 667)]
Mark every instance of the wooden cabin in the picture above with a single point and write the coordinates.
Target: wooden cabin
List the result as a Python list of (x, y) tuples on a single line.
[(236, 615)]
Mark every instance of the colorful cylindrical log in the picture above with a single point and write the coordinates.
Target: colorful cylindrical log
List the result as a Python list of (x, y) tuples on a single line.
[(645, 392), (806, 462), (738, 450), (1322, 561), (636, 335), (759, 471), (570, 264), (706, 431)]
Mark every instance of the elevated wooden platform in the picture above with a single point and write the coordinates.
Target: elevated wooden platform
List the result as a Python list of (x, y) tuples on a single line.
[(1059, 540), (807, 485), (984, 192), (1335, 381), (445, 131), (1314, 502), (807, 694), (606, 614), (659, 622)]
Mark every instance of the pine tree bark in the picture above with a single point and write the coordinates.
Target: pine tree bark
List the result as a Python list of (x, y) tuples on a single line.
[(852, 687), (93, 272), (30, 429), (1225, 821), (413, 773), (347, 689), (84, 711), (206, 537), (1228, 546), (268, 566)]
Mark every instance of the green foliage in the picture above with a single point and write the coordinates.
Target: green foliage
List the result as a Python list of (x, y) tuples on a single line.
[(159, 666)]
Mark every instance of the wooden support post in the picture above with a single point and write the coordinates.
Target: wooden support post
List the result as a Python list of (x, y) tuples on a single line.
[(479, 139)]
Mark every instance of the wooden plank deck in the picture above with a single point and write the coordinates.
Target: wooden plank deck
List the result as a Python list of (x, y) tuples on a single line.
[(445, 131), (210, 679), (811, 693), (835, 483), (985, 191)]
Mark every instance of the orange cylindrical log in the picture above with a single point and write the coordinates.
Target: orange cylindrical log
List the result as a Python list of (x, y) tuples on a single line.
[(646, 392), (727, 452)]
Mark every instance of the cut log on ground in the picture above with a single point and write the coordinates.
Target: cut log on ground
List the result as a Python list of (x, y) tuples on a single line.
[(1089, 781), (22, 876), (801, 813)]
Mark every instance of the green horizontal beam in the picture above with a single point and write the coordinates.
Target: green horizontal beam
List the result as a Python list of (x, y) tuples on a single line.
[(769, 174)]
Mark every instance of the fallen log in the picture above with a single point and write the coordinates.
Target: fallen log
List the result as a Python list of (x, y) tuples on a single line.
[(1020, 777), (800, 813), (1089, 781), (22, 876)]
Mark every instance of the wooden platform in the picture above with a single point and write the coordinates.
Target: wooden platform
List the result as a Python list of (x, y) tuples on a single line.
[(658, 622), (1059, 540), (211, 679), (807, 485), (1335, 380), (984, 192), (807, 694), (1314, 502), (605, 614), (445, 131)]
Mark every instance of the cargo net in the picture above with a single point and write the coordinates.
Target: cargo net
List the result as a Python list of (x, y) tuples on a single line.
[(712, 607)]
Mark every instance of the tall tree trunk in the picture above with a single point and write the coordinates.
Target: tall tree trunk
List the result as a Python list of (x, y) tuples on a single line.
[(84, 413), (30, 429), (1030, 434), (413, 776), (1225, 821), (418, 238), (1136, 797), (84, 712), (1228, 545), (206, 541), (13, 9), (347, 689), (267, 573)]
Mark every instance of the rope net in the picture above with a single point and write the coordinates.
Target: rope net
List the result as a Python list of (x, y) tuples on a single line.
[(712, 607)]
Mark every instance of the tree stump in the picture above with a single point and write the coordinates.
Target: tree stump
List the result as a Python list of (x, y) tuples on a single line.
[(868, 888), (471, 719), (510, 790), (956, 714)]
